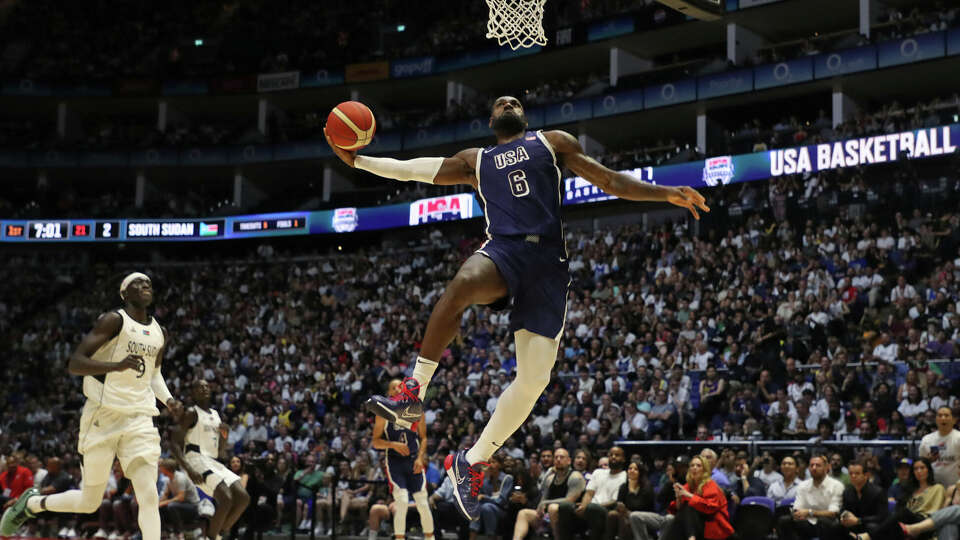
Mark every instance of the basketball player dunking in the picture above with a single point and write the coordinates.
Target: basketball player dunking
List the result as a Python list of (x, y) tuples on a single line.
[(120, 362), (198, 441), (523, 259)]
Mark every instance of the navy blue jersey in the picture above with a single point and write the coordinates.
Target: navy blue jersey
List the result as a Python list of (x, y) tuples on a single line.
[(519, 183), (410, 437)]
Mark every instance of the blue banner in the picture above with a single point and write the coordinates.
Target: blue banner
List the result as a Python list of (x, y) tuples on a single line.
[(473, 129), (784, 73), (912, 49), (724, 84), (103, 159), (25, 87), (250, 153), (618, 103), (845, 61), (184, 88), (204, 155), (663, 95), (154, 156), (420, 138), (569, 111), (84, 90), (609, 28), (321, 77), (13, 158), (54, 158), (466, 59), (535, 117), (507, 53), (953, 41), (411, 67), (388, 141), (302, 150)]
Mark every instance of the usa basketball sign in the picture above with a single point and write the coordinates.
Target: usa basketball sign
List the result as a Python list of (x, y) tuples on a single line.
[(446, 208)]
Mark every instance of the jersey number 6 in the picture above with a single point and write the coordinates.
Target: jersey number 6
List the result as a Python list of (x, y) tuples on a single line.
[(518, 183)]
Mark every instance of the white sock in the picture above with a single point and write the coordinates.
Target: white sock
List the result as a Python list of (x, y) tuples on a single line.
[(423, 372), (536, 355), (371, 535)]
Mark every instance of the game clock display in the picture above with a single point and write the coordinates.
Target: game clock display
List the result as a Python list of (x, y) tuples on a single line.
[(48, 230)]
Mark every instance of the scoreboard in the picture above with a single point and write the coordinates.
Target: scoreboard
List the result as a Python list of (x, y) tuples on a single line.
[(132, 230)]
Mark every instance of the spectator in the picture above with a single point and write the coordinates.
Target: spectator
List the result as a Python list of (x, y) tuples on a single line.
[(561, 484), (897, 489), (600, 497), (746, 484), (922, 499), (837, 471), (864, 504), (942, 447), (700, 506), (785, 488), (15, 480), (634, 497), (768, 474), (179, 501), (307, 481), (817, 505)]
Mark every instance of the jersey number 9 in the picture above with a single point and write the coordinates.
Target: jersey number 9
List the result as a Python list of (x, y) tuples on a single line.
[(518, 183)]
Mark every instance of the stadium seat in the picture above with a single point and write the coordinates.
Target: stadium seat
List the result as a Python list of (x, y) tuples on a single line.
[(754, 517)]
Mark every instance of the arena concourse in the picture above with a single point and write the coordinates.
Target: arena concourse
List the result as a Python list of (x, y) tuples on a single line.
[(805, 330)]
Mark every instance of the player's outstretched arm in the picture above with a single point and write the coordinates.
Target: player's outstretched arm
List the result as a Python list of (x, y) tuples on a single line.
[(82, 362), (618, 184), (459, 169)]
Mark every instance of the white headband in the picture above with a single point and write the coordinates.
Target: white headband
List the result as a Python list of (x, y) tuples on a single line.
[(129, 279)]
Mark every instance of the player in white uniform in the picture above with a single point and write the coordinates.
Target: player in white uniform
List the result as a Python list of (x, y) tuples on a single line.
[(198, 441), (120, 363)]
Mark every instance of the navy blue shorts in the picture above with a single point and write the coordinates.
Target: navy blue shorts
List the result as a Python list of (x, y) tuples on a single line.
[(537, 276), (400, 474)]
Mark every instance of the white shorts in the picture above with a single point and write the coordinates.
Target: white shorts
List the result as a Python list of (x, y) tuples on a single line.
[(213, 472), (106, 433)]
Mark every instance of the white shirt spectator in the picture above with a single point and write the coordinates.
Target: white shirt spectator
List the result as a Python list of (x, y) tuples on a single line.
[(887, 353), (768, 479), (827, 496), (944, 452), (913, 409), (605, 486), (775, 409), (898, 292)]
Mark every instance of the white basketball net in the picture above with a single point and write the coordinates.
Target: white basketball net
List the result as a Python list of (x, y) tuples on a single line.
[(517, 23)]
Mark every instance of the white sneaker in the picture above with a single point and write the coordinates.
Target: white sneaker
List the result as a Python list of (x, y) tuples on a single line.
[(318, 530), (302, 525), (198, 534), (100, 533), (72, 533), (63, 532), (114, 536)]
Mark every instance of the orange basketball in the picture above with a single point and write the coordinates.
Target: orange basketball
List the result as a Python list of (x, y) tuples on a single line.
[(351, 125)]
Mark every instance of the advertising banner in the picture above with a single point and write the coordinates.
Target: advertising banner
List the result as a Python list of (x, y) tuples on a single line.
[(369, 71), (618, 103), (411, 67), (663, 95), (272, 82), (724, 84), (609, 28), (783, 73), (845, 61), (912, 49), (569, 111), (321, 77)]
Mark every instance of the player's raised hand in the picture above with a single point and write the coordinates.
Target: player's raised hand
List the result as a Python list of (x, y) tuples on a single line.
[(688, 198), (175, 407), (347, 156)]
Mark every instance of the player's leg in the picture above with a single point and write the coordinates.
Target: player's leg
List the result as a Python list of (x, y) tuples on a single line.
[(143, 475), (536, 355), (477, 282), (224, 499), (97, 465), (426, 516), (402, 499), (241, 499)]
